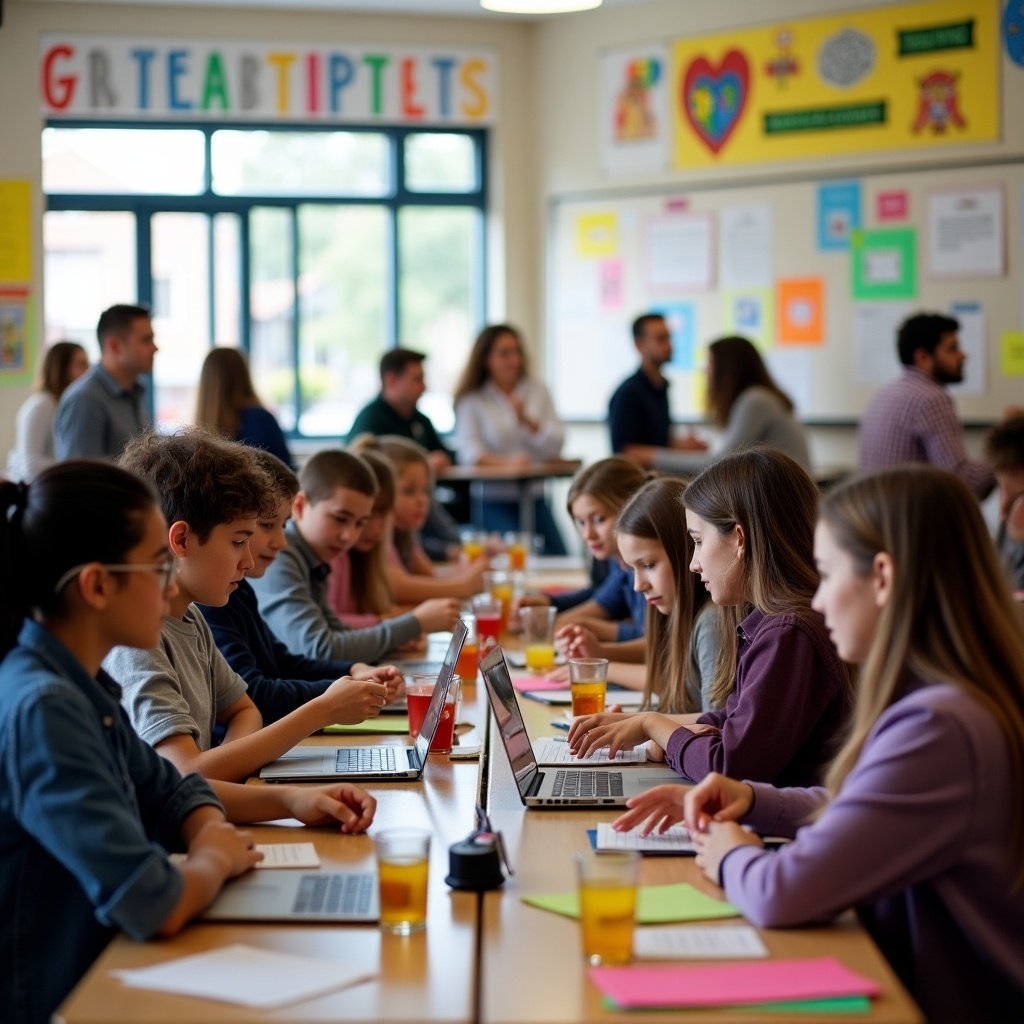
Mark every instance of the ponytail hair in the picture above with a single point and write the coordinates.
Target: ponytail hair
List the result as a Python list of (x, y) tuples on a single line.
[(74, 512), (611, 481)]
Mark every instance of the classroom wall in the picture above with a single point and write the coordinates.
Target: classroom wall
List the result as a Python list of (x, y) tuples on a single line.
[(567, 60), (515, 238)]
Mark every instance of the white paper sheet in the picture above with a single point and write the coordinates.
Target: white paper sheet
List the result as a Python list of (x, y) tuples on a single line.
[(965, 233), (556, 751), (678, 256), (746, 254), (674, 840), (245, 975), (729, 942), (972, 342), (277, 855), (874, 340)]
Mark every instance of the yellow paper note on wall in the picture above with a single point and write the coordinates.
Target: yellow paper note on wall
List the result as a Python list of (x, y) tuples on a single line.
[(597, 235), (1012, 362), (15, 231)]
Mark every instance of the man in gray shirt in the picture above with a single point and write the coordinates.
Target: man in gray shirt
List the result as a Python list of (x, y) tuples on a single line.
[(106, 406)]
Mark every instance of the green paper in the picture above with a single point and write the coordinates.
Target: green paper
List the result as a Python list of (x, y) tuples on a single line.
[(384, 724), (884, 264), (838, 1005), (656, 904)]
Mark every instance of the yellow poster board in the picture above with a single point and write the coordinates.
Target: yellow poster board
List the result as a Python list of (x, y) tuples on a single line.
[(893, 78), (15, 231)]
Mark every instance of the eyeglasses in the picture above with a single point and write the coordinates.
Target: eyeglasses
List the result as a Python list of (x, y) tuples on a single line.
[(165, 570)]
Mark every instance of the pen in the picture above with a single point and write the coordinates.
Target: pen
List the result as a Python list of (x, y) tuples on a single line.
[(558, 724)]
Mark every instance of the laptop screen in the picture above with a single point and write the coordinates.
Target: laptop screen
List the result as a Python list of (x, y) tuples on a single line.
[(437, 698), (511, 726)]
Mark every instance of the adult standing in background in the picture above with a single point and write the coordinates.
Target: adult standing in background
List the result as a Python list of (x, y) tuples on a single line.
[(505, 417), (64, 363), (638, 412), (106, 406), (745, 401), (227, 403), (394, 412), (913, 418)]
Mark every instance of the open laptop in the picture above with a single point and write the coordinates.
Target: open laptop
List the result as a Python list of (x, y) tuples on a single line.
[(376, 763), (298, 896), (565, 786)]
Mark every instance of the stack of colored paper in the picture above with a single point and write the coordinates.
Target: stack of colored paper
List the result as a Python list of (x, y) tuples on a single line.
[(655, 904), (814, 985)]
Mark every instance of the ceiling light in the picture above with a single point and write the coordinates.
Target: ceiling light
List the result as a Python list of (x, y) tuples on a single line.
[(539, 6)]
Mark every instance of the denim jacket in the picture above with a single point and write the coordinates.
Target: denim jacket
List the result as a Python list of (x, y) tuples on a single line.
[(87, 811)]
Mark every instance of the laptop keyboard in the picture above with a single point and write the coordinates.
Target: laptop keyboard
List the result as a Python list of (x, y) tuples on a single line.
[(335, 894), (587, 784), (365, 759)]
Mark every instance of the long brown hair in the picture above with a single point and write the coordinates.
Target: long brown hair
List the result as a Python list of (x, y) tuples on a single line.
[(55, 373), (368, 570), (474, 373), (225, 390), (771, 496), (612, 482), (655, 513), (950, 618), (735, 365)]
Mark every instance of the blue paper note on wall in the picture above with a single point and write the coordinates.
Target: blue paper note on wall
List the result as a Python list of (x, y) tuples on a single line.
[(681, 318), (838, 213)]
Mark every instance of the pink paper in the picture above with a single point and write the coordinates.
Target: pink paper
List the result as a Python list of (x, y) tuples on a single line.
[(730, 984), (524, 683)]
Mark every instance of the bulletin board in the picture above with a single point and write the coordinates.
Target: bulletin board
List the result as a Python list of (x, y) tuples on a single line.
[(817, 272)]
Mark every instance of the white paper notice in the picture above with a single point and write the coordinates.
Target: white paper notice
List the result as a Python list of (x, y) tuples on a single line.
[(874, 340), (246, 975), (678, 254), (965, 233), (972, 342), (745, 257), (673, 840), (729, 942), (277, 855), (548, 751), (883, 266)]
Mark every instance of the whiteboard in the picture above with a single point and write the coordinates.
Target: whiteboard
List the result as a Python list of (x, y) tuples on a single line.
[(717, 258)]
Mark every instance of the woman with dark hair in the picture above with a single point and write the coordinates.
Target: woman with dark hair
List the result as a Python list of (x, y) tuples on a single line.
[(745, 403), (64, 362), (227, 404), (505, 417)]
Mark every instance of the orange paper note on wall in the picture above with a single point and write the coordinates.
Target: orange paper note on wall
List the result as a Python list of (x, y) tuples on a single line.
[(800, 308)]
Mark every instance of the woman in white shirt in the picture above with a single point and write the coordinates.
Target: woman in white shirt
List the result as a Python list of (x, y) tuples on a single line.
[(64, 362), (504, 417)]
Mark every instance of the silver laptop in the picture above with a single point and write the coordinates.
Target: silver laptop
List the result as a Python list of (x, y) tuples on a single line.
[(298, 896), (376, 763), (564, 786)]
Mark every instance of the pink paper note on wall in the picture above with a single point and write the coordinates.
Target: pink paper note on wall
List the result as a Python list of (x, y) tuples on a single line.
[(730, 984)]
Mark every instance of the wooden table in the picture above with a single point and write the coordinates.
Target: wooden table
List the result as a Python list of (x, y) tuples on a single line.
[(532, 970), (521, 476)]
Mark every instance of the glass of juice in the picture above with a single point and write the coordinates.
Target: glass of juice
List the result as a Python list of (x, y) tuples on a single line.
[(469, 660), (606, 884), (488, 622), (538, 623), (418, 691), (588, 680), (418, 695), (518, 547), (403, 859), (473, 542), (498, 584)]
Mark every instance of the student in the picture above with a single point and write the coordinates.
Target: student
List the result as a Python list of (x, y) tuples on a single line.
[(87, 810), (919, 827), (227, 403), (64, 362), (410, 571), (212, 494), (359, 588), (751, 516), (596, 495), (681, 642), (746, 403), (332, 507), (1004, 452), (280, 681)]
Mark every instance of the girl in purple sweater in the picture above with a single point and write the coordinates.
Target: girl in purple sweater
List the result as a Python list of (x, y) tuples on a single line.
[(920, 825), (751, 516)]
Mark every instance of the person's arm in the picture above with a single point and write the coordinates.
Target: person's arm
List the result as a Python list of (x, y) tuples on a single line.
[(546, 439), (340, 802), (915, 791), (413, 588), (781, 697), (941, 436), (35, 434)]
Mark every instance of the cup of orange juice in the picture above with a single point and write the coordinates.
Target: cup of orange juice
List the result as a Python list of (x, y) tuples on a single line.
[(498, 584), (588, 680), (518, 547), (606, 884), (538, 623), (473, 543), (403, 861), (469, 656)]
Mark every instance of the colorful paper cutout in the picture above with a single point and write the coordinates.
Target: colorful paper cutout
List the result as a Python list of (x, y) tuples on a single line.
[(838, 213), (714, 97), (801, 311), (884, 264)]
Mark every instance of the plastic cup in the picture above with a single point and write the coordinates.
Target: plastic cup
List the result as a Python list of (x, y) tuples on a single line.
[(538, 622), (588, 681), (469, 657), (403, 860), (606, 884), (473, 542), (518, 547), (418, 694), (498, 584), (488, 622)]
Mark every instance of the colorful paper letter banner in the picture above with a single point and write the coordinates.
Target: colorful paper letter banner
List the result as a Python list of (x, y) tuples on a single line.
[(122, 77), (884, 264), (634, 110), (902, 76)]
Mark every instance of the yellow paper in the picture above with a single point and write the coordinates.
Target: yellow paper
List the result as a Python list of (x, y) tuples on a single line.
[(597, 235), (15, 231), (1012, 349)]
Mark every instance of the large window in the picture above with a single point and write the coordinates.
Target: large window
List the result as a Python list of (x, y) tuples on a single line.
[(314, 250)]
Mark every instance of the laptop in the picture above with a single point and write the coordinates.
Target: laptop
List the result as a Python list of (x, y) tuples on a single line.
[(298, 896), (376, 763), (565, 786)]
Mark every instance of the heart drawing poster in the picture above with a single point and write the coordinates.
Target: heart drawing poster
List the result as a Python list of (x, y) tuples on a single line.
[(715, 96)]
